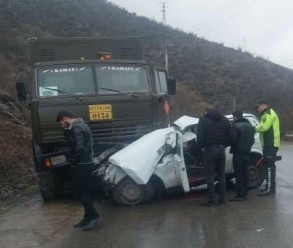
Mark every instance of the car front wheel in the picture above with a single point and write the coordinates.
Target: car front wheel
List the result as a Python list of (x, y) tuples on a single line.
[(256, 170), (128, 192)]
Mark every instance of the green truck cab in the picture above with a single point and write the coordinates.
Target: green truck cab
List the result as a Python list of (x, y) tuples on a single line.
[(106, 82)]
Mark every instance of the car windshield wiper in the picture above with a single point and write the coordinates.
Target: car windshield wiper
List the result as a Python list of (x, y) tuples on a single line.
[(120, 92), (64, 92)]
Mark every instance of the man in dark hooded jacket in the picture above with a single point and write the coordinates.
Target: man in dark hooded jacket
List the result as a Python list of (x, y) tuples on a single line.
[(243, 140), (213, 135), (81, 147)]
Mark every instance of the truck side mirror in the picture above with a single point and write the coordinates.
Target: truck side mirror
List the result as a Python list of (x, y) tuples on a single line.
[(171, 84), (21, 91)]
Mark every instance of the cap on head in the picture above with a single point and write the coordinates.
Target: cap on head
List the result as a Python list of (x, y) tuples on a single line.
[(261, 103), (212, 109), (63, 113), (238, 114)]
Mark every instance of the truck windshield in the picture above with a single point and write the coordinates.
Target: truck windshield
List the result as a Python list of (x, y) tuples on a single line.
[(81, 80), (64, 80), (122, 78)]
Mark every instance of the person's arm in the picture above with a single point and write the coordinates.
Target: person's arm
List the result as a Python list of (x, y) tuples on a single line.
[(252, 135), (232, 134), (200, 135), (79, 144), (265, 124)]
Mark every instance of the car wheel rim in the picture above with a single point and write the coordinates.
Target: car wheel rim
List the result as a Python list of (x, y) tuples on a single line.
[(253, 173), (132, 193)]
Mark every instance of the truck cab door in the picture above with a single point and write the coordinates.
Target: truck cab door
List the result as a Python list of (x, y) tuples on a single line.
[(163, 99), (179, 164)]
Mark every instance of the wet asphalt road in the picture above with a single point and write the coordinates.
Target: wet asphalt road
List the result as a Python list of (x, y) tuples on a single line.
[(173, 222)]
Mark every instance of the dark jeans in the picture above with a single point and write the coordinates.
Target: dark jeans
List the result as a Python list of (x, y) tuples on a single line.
[(270, 154), (240, 166), (214, 162), (81, 179)]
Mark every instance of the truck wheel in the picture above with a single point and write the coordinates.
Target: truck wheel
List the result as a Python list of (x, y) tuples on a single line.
[(256, 173), (50, 187), (128, 192)]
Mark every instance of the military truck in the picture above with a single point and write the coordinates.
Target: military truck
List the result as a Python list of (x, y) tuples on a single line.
[(105, 81)]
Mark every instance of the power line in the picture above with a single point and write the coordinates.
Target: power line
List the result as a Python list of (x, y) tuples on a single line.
[(205, 22), (231, 16)]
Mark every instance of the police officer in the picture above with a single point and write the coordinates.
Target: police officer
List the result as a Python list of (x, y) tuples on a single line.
[(243, 140), (81, 147), (269, 130), (213, 135)]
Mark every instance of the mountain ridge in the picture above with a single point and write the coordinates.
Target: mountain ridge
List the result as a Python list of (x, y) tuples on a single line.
[(207, 71)]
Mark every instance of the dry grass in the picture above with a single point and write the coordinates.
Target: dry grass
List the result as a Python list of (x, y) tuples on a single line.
[(16, 169)]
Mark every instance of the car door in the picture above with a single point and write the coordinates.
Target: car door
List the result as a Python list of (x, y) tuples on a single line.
[(179, 164)]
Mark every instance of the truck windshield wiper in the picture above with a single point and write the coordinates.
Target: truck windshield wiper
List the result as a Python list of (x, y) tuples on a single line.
[(118, 91), (64, 92)]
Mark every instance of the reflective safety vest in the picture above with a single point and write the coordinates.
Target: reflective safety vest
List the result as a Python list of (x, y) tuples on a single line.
[(269, 129)]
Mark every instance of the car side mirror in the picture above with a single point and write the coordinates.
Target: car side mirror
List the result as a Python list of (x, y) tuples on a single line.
[(171, 85), (21, 91)]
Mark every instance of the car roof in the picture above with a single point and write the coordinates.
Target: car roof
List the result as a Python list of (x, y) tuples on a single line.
[(244, 115), (185, 121)]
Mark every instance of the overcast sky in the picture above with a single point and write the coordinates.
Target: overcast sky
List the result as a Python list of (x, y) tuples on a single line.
[(261, 27)]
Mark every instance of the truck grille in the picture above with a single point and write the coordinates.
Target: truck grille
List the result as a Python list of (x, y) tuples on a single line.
[(119, 131), (103, 132)]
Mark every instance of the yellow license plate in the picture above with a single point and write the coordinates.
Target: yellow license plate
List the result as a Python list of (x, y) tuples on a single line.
[(100, 112)]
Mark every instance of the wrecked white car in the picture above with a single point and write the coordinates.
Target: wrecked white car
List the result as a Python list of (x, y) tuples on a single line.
[(165, 159)]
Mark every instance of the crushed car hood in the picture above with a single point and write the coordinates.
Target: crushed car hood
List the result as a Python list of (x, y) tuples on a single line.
[(139, 159)]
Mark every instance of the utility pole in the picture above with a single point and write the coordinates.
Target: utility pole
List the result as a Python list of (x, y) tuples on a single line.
[(234, 103), (166, 43), (164, 12)]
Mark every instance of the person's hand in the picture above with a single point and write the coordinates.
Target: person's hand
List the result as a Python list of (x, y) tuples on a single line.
[(73, 164)]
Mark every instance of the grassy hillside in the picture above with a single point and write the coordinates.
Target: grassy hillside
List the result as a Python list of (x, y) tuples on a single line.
[(207, 71)]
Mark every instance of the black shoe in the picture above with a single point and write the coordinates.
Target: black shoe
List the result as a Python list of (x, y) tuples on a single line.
[(91, 225), (237, 198), (266, 193), (80, 224), (221, 203), (263, 190), (209, 204)]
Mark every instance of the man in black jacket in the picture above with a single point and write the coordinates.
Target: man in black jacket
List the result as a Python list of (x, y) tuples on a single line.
[(213, 135), (243, 133), (81, 147)]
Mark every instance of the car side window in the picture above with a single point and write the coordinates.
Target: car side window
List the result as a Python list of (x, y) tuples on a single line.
[(253, 121)]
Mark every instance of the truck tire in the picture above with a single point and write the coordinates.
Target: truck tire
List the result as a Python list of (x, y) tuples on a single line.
[(256, 172), (128, 192), (50, 186)]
